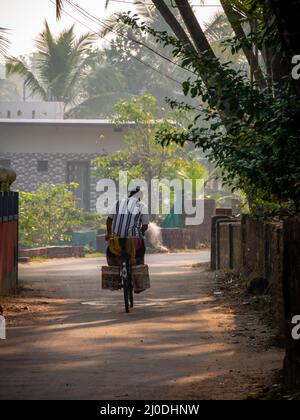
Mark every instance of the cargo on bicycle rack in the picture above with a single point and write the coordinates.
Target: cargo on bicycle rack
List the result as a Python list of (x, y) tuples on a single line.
[(111, 278), (140, 277)]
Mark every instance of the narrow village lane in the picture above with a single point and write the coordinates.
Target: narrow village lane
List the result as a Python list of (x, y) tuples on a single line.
[(178, 343)]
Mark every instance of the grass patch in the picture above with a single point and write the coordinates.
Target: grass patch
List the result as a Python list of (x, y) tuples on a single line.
[(39, 259), (95, 255)]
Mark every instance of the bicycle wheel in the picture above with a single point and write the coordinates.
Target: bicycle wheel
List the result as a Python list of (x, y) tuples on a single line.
[(130, 292), (126, 296), (126, 286)]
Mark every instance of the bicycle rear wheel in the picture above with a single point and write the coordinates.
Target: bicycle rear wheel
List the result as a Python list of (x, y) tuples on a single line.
[(126, 286), (126, 297), (131, 292)]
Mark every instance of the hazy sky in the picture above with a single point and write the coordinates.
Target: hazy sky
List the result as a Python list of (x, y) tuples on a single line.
[(25, 18)]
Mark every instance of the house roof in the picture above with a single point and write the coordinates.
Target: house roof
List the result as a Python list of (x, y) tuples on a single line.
[(58, 122)]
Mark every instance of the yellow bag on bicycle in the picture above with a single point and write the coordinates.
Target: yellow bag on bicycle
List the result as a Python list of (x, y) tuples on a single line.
[(130, 248)]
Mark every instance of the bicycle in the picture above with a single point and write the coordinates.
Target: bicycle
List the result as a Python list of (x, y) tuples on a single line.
[(126, 279), (125, 272), (126, 284)]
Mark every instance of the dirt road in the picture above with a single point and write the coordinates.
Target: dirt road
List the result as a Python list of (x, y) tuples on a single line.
[(72, 340)]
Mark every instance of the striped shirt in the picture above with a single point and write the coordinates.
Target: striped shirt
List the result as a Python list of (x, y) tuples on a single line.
[(128, 218)]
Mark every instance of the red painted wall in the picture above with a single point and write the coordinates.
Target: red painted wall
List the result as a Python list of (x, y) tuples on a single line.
[(8, 256)]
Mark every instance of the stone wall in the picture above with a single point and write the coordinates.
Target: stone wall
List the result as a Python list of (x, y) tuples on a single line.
[(53, 252), (178, 238), (203, 231), (214, 239), (263, 253), (254, 249), (236, 254), (224, 235), (224, 212), (192, 237), (274, 258), (223, 249)]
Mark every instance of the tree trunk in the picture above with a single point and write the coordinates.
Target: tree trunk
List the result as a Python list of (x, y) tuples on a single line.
[(276, 62), (171, 20), (200, 45), (252, 59), (291, 292), (227, 108), (288, 18), (194, 28)]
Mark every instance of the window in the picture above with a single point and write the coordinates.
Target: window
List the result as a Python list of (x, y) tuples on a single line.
[(5, 162), (42, 166)]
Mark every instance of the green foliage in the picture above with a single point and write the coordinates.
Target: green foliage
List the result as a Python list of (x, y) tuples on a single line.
[(262, 208), (259, 155), (48, 214), (253, 135), (131, 66), (127, 69), (94, 255), (101, 88), (144, 158), (292, 396)]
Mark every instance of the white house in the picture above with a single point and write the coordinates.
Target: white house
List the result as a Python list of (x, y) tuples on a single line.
[(57, 151)]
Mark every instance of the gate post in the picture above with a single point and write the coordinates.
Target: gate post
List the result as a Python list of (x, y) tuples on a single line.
[(291, 293), (8, 233)]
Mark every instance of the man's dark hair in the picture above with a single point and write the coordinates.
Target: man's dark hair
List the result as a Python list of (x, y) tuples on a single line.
[(133, 192)]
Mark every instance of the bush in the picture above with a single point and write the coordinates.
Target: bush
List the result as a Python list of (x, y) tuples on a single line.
[(48, 215)]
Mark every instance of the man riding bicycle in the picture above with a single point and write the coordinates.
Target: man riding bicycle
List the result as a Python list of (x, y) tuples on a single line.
[(126, 226)]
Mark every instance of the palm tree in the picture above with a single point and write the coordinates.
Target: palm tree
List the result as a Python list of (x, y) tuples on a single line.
[(218, 29), (146, 10), (4, 42), (57, 69), (59, 7)]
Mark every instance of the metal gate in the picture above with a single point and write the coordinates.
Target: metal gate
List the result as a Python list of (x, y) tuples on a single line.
[(8, 242)]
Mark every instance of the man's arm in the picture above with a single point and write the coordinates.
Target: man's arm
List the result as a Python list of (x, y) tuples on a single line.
[(145, 220), (144, 229), (110, 220)]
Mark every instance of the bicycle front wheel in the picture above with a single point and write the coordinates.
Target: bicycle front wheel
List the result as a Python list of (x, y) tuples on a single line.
[(126, 290), (131, 293)]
